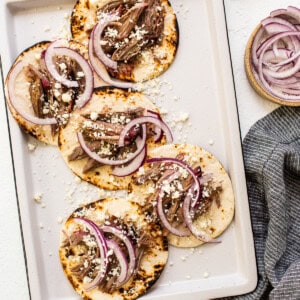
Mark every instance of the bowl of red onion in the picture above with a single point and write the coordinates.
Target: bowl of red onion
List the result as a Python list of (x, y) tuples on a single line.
[(272, 57)]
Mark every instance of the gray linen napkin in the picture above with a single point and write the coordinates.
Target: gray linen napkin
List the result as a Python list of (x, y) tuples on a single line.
[(272, 163)]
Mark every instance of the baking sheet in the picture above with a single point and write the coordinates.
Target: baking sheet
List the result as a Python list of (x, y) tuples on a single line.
[(198, 85)]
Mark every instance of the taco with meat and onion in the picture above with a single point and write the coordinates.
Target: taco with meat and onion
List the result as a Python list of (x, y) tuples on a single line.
[(134, 40), (45, 83), (108, 250), (107, 141), (188, 190)]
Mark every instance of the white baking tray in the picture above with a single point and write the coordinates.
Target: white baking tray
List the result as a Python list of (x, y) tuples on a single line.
[(198, 84)]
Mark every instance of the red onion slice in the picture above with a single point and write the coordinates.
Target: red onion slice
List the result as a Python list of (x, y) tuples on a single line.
[(49, 54), (102, 245), (99, 28), (106, 161), (132, 167), (198, 233), (276, 20), (131, 252), (161, 213), (197, 187), (14, 100), (142, 120), (100, 69), (122, 261)]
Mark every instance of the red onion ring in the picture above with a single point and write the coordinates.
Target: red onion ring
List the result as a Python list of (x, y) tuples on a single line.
[(86, 69), (99, 28), (106, 161), (14, 100), (122, 261), (185, 166), (198, 233), (131, 252), (142, 120), (102, 245), (291, 11), (49, 54), (161, 213), (100, 69)]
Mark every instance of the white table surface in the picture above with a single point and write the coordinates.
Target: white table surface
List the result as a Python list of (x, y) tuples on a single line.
[(242, 16)]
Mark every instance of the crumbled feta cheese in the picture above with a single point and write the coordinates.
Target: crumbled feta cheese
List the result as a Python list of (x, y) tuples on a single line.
[(62, 66), (94, 116), (56, 93), (89, 241), (87, 279), (141, 171), (31, 147), (205, 274), (80, 74), (59, 220), (183, 117), (66, 97), (38, 198), (57, 85)]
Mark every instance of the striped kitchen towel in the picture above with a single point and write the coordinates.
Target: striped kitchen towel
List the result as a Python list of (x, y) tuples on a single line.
[(272, 163)]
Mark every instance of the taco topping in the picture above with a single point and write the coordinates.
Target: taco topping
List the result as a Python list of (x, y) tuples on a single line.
[(118, 139), (106, 256), (181, 194)]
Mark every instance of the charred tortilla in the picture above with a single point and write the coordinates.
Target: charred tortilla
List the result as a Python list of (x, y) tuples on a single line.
[(38, 94), (217, 207), (146, 50), (117, 105), (77, 249)]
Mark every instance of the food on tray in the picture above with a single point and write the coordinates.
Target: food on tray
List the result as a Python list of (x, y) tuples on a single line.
[(109, 250), (45, 83), (272, 59), (130, 40), (187, 189), (107, 140)]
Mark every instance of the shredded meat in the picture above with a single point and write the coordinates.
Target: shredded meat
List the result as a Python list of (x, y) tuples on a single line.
[(153, 20), (127, 51), (36, 90), (129, 20), (139, 27)]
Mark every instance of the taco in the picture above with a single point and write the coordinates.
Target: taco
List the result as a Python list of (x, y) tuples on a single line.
[(108, 250), (45, 83), (107, 141), (187, 189), (135, 40)]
